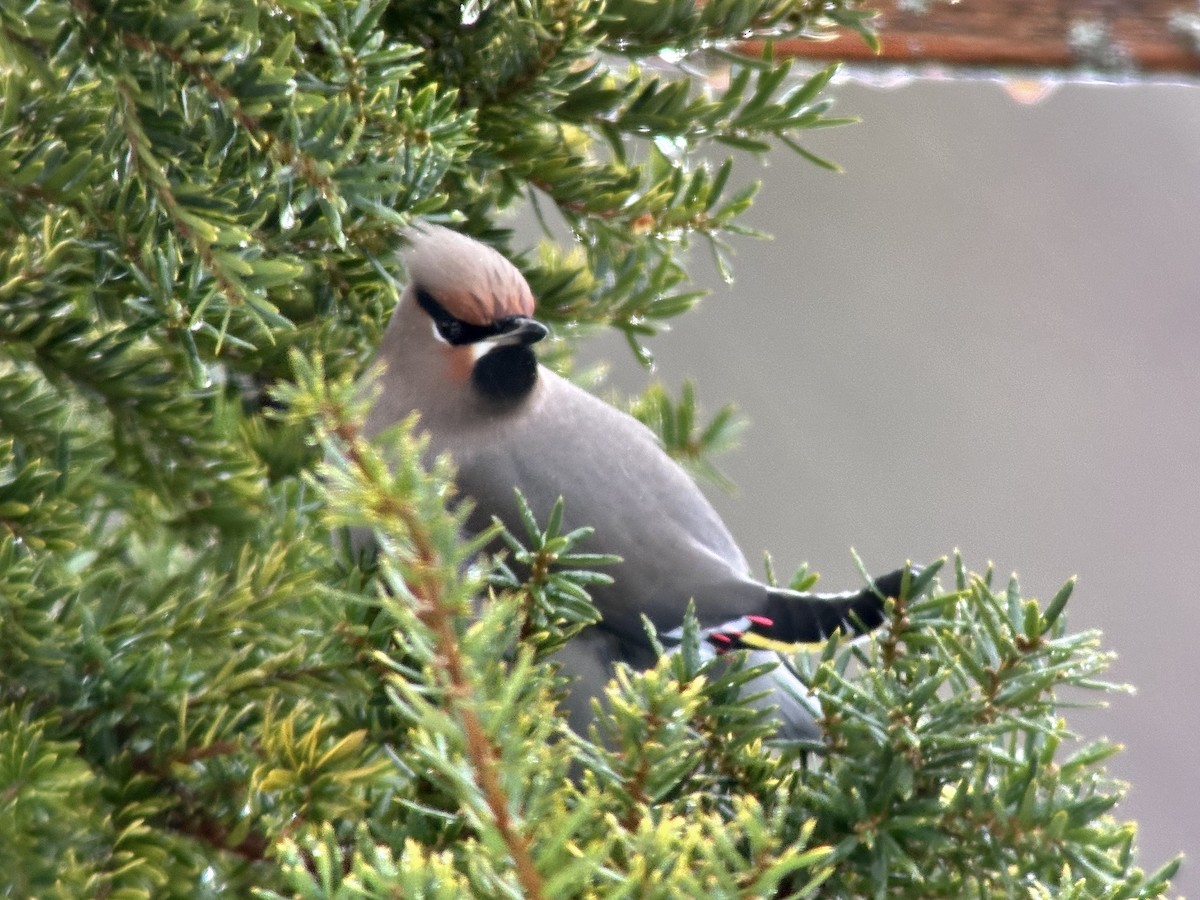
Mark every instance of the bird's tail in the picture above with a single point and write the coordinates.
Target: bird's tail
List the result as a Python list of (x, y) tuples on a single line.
[(791, 617)]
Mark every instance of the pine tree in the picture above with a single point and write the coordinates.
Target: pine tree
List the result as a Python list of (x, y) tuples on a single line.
[(203, 694)]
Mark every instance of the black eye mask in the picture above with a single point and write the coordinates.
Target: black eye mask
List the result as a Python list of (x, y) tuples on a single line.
[(454, 330)]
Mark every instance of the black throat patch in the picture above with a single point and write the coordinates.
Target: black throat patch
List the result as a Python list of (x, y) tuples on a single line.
[(506, 375)]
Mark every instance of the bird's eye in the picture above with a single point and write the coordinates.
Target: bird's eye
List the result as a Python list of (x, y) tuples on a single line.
[(448, 327), (450, 330), (453, 330)]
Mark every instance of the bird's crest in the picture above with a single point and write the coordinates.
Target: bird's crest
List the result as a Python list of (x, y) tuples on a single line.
[(471, 280)]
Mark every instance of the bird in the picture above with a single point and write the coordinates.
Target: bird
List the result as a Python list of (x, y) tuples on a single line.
[(458, 351)]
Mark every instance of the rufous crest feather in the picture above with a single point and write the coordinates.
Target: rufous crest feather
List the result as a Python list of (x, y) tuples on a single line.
[(471, 280)]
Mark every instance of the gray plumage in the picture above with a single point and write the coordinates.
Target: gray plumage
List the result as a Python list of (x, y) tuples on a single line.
[(457, 351)]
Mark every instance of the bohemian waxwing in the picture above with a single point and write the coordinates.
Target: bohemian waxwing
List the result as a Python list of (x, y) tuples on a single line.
[(458, 351)]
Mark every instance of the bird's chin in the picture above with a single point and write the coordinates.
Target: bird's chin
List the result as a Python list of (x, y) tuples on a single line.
[(505, 375)]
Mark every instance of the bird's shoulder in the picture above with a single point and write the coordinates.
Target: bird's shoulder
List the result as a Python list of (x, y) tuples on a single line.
[(571, 408)]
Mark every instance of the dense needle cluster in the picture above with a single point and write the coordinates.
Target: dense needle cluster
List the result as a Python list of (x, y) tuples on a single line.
[(201, 695)]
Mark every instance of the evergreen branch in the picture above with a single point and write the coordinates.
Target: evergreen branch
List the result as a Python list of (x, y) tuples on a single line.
[(194, 230), (199, 696), (686, 441), (282, 151), (644, 29), (435, 612), (558, 32), (250, 846), (553, 598), (425, 585), (186, 815), (480, 749)]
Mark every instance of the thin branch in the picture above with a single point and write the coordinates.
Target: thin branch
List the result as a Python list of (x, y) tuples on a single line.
[(434, 611)]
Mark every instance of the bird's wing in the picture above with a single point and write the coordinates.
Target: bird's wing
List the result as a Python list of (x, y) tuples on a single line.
[(615, 478)]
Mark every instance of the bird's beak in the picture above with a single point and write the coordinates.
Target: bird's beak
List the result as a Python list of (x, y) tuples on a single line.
[(520, 330)]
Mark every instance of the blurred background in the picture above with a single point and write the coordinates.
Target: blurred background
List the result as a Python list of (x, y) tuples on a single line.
[(984, 335)]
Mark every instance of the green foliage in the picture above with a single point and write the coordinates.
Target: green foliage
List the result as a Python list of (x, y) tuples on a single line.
[(675, 425), (559, 606), (951, 780), (202, 695)]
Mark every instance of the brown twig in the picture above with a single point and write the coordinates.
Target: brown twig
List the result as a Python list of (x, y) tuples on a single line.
[(434, 612)]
